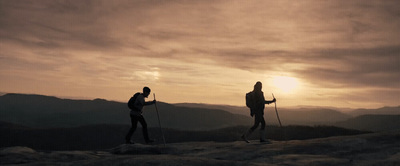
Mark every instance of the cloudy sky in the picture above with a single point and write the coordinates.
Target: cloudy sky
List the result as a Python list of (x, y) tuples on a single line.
[(321, 53)]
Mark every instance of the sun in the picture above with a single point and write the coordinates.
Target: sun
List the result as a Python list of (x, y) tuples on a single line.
[(285, 84)]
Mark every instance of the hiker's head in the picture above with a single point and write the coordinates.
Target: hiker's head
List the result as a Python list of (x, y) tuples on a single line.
[(258, 86), (146, 91)]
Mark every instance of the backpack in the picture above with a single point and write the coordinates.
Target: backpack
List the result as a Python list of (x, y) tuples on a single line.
[(131, 102), (249, 99)]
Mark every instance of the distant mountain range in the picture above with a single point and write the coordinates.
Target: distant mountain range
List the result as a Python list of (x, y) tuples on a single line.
[(372, 122), (379, 111), (243, 110), (299, 116), (50, 112), (40, 111), (309, 115)]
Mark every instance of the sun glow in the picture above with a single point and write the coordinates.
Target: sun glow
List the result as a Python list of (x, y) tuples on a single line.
[(285, 84)]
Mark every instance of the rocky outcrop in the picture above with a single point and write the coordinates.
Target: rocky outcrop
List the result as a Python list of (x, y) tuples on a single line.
[(367, 149)]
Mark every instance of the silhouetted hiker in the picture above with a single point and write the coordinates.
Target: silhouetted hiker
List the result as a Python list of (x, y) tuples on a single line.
[(136, 104), (256, 101)]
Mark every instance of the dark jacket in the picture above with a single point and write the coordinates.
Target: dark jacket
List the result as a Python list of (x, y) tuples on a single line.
[(259, 103), (139, 103)]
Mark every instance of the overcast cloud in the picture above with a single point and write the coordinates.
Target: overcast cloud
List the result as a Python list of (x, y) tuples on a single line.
[(341, 51)]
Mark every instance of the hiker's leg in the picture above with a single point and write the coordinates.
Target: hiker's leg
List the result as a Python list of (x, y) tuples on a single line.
[(134, 121), (263, 137), (249, 131), (262, 120), (257, 121), (144, 128), (262, 131)]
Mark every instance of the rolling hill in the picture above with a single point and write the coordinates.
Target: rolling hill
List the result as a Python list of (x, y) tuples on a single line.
[(50, 112), (378, 111), (40, 111), (298, 116), (311, 115), (372, 122)]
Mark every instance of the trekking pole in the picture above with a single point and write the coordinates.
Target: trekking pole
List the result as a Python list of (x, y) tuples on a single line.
[(276, 110), (279, 120), (159, 122)]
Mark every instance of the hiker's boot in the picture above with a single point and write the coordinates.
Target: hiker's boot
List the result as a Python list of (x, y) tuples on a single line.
[(129, 142), (262, 137), (246, 135), (149, 141)]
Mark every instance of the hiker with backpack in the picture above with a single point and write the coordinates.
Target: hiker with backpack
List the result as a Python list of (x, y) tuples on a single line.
[(136, 104), (256, 102)]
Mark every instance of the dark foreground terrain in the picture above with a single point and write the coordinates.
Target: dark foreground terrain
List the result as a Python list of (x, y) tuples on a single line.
[(381, 149), (106, 136)]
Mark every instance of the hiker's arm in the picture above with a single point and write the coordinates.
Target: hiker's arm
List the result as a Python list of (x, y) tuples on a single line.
[(150, 102), (269, 102)]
